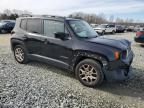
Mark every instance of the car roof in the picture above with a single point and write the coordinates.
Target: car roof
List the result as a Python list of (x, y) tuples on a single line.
[(107, 24), (8, 21), (118, 25), (103, 24), (54, 18)]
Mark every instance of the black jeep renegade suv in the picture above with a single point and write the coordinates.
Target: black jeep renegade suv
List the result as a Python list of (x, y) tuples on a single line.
[(71, 44)]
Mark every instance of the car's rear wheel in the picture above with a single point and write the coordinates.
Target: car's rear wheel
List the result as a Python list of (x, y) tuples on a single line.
[(20, 54), (89, 73)]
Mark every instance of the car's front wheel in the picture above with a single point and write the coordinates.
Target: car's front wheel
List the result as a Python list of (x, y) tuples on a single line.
[(113, 32), (103, 32), (20, 54), (89, 73)]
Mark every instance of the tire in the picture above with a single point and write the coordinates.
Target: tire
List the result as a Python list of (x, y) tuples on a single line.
[(20, 54), (113, 32), (103, 32), (85, 74)]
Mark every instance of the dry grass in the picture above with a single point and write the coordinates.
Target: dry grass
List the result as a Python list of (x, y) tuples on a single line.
[(4, 39)]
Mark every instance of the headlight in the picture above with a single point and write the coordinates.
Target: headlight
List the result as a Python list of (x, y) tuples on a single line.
[(117, 55)]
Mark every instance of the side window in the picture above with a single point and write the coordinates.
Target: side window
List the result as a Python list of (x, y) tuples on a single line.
[(23, 24), (107, 26), (51, 27), (111, 26), (34, 26)]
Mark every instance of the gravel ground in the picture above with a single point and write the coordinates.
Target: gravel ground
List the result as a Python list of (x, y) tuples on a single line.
[(38, 85)]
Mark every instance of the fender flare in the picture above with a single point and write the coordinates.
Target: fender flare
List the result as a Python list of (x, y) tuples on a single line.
[(78, 55), (16, 42)]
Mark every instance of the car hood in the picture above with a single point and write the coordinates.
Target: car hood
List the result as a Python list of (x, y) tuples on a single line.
[(97, 28), (107, 41)]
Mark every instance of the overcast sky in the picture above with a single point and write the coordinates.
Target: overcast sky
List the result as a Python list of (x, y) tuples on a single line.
[(119, 8)]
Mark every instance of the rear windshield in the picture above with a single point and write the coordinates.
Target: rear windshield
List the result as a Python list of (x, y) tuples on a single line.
[(2, 23)]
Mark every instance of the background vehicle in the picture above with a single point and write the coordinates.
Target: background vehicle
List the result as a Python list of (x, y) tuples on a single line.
[(139, 37), (105, 28), (130, 28), (138, 28), (6, 27), (7, 21), (74, 45), (94, 25), (120, 28)]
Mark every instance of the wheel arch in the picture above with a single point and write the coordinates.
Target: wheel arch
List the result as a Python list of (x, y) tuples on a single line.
[(102, 60), (15, 42)]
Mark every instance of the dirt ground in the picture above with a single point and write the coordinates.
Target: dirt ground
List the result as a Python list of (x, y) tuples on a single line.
[(4, 39), (39, 85)]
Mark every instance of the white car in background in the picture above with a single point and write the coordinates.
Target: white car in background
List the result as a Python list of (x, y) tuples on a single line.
[(138, 28), (105, 28), (94, 25)]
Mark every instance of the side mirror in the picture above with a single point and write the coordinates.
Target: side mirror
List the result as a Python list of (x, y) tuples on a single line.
[(62, 36)]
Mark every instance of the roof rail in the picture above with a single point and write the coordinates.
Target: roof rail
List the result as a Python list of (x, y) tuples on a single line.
[(49, 16), (53, 16), (26, 15)]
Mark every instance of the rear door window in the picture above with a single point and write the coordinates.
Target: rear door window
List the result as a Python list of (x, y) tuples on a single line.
[(23, 24), (111, 26), (34, 26)]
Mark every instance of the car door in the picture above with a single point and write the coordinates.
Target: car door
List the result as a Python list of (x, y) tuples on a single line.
[(112, 27), (108, 29), (53, 48), (32, 35)]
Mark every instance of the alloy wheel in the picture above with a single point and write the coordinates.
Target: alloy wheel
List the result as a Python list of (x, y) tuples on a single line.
[(19, 54), (88, 73)]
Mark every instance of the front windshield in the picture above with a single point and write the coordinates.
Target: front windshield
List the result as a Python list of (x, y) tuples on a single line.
[(102, 26), (82, 29)]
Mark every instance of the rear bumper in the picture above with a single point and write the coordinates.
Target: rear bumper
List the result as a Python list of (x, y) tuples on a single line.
[(139, 39), (119, 70)]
